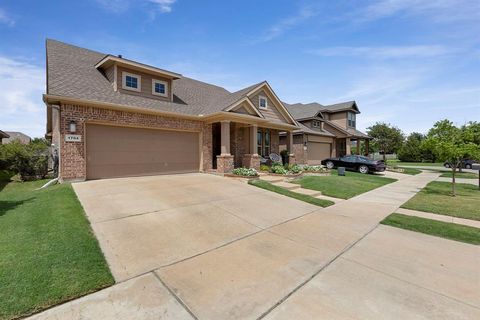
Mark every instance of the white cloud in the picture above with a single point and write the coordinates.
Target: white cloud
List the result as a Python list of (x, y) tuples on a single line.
[(121, 6), (164, 5), (21, 97), (284, 25), (385, 52), (440, 10), (6, 19)]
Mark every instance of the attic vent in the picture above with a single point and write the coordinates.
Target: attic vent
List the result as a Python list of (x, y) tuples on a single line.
[(120, 56)]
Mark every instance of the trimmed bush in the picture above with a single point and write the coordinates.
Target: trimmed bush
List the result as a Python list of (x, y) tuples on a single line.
[(264, 167), (247, 172), (28, 160)]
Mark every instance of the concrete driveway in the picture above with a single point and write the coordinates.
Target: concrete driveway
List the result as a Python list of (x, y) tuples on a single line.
[(205, 247)]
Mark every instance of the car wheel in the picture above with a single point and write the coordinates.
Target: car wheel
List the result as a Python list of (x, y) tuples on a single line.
[(330, 165), (468, 166), (363, 169)]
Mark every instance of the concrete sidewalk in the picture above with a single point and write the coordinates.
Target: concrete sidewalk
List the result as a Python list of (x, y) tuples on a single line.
[(276, 272), (439, 217)]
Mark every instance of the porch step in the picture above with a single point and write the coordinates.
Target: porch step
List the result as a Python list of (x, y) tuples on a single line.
[(321, 196), (308, 192), (271, 179), (288, 186)]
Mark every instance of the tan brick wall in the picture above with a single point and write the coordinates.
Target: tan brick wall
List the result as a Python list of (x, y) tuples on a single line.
[(72, 154)]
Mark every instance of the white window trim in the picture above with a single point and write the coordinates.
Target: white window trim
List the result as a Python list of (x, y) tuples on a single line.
[(266, 102), (165, 83), (124, 81)]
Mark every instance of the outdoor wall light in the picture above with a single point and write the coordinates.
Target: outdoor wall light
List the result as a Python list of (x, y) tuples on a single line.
[(72, 126)]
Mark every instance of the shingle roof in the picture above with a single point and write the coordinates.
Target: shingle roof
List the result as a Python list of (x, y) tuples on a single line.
[(14, 135), (305, 129), (341, 106), (3, 135), (303, 111), (71, 73)]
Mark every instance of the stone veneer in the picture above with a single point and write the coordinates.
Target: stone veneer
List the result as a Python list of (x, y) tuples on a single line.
[(72, 154), (225, 163), (251, 161)]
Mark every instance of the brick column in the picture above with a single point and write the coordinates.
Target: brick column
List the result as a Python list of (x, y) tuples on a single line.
[(225, 161), (253, 140), (358, 146)]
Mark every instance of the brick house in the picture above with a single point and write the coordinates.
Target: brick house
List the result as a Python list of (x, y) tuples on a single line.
[(113, 117), (325, 131)]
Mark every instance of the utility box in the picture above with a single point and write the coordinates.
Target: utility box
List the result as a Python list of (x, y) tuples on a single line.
[(341, 171)]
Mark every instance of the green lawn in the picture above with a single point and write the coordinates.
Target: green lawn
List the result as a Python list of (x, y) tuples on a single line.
[(463, 175), (442, 229), (48, 253), (436, 198), (352, 184), (303, 197)]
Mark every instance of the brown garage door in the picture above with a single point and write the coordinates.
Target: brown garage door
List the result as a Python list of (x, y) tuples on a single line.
[(121, 151), (318, 151)]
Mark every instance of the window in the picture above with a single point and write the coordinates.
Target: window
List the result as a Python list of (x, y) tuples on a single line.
[(159, 88), (351, 119), (316, 124), (262, 102), (263, 142), (259, 142), (131, 81)]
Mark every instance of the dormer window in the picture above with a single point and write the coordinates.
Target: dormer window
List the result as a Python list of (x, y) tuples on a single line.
[(159, 88), (262, 102), (351, 119), (131, 81), (316, 124)]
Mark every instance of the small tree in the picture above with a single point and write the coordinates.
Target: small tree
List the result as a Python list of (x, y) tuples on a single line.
[(385, 138), (451, 144)]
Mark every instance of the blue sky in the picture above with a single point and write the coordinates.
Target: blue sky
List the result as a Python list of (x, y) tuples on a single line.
[(405, 62)]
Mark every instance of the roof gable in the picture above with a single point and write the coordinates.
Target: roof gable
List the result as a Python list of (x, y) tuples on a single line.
[(275, 111)]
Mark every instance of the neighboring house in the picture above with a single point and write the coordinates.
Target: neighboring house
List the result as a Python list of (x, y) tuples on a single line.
[(22, 137), (325, 131), (3, 135), (113, 117)]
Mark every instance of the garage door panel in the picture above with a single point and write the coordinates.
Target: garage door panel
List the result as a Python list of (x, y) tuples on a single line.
[(120, 151), (318, 151)]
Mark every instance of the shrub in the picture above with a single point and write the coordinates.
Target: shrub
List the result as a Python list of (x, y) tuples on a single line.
[(294, 168), (248, 172), (278, 170), (314, 168), (28, 160), (264, 167)]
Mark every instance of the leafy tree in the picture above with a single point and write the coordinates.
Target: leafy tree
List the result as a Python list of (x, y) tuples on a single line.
[(452, 144), (411, 150), (385, 138)]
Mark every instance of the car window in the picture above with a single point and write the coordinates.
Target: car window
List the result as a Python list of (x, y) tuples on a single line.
[(348, 159)]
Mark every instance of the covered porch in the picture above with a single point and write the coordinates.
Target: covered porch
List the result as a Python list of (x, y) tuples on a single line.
[(361, 146), (242, 142)]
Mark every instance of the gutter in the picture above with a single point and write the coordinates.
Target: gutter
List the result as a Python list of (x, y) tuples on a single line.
[(55, 99)]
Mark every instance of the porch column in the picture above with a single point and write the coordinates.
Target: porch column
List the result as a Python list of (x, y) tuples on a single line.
[(252, 159), (348, 146), (367, 147), (358, 146), (225, 161), (334, 148), (253, 140), (291, 154), (225, 138)]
